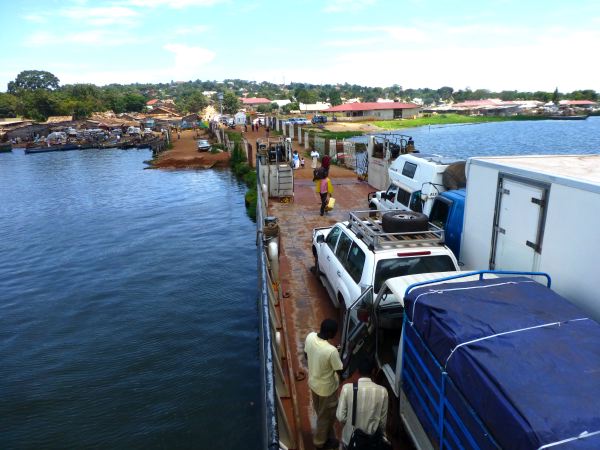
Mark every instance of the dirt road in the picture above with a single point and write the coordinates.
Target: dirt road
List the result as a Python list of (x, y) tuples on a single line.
[(184, 153)]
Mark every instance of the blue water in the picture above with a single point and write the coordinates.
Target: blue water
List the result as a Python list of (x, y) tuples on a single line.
[(128, 311), (128, 297), (509, 138)]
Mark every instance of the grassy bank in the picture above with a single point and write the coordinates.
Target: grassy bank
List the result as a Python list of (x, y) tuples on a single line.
[(337, 135), (241, 169), (446, 119)]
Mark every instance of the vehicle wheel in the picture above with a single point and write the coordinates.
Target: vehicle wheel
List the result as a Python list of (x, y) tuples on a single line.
[(404, 222), (317, 269), (372, 207)]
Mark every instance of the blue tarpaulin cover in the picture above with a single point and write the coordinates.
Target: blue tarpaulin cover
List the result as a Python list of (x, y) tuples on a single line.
[(532, 373)]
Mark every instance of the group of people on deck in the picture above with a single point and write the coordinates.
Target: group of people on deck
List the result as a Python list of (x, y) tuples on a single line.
[(324, 367)]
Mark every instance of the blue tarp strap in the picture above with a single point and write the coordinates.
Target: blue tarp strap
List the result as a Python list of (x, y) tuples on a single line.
[(509, 332), (441, 410), (441, 291), (583, 435)]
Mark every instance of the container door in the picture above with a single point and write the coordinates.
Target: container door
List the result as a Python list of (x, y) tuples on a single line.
[(357, 340), (518, 224)]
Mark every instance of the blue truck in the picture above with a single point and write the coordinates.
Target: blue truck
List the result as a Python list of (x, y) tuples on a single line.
[(481, 360)]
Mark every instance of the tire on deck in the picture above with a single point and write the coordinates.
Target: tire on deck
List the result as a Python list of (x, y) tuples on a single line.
[(404, 222)]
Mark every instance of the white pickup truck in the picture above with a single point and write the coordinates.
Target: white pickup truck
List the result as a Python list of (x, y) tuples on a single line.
[(371, 247), (416, 180)]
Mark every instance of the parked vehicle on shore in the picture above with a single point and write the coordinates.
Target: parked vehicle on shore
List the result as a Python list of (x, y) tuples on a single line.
[(203, 145), (479, 363), (319, 119), (296, 121), (366, 250)]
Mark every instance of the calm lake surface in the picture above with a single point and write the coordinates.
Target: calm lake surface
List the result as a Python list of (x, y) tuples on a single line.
[(128, 313), (509, 138)]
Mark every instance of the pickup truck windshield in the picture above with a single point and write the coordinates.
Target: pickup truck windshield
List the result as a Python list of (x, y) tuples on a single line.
[(398, 267)]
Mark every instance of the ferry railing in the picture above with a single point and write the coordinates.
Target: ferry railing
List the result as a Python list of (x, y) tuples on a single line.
[(277, 432)]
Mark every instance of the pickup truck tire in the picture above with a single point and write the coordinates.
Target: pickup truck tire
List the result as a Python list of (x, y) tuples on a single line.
[(404, 222), (454, 176), (317, 269), (373, 207)]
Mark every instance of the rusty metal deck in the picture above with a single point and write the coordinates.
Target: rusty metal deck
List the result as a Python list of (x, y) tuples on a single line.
[(306, 303)]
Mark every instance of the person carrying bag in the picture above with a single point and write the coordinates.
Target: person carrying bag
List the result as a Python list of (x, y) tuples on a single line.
[(361, 440), (364, 425)]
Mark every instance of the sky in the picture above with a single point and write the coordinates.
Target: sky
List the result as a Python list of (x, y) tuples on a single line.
[(525, 45)]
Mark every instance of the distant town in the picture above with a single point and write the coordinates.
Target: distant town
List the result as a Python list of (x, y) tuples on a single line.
[(36, 104)]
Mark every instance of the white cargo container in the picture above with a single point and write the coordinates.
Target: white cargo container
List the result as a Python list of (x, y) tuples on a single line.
[(537, 213)]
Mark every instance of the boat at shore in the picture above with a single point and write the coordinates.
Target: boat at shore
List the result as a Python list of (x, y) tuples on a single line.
[(575, 117), (52, 148)]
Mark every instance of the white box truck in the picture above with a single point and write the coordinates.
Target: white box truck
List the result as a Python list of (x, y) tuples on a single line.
[(537, 213)]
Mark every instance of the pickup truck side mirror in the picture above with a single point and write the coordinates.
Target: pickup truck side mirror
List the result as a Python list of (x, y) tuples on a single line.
[(320, 239), (383, 195)]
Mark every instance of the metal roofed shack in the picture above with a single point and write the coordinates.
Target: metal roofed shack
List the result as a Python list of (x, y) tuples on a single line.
[(375, 110)]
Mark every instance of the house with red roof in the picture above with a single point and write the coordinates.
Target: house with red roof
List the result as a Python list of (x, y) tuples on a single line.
[(375, 110), (253, 102), (578, 103)]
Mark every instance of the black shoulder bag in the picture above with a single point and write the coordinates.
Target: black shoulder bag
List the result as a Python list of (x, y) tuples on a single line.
[(361, 440)]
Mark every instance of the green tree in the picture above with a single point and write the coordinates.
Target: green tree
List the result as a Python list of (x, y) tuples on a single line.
[(304, 95), (194, 102), (334, 97), (134, 102), (38, 105), (509, 95), (31, 80), (445, 92), (542, 96), (294, 106), (231, 103), (586, 94), (267, 108), (8, 105), (555, 96)]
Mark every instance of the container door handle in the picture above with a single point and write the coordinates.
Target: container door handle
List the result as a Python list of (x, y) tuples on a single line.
[(339, 274)]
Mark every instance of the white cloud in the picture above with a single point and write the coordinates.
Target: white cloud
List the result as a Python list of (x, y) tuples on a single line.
[(101, 16), (175, 4), (352, 43), (336, 6), (36, 18), (96, 38), (396, 33), (189, 61), (192, 30)]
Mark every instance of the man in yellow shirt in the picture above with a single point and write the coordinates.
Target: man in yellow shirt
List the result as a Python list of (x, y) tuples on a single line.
[(323, 364)]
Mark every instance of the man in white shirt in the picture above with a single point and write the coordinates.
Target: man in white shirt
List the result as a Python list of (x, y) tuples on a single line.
[(371, 404), (314, 155), (323, 364)]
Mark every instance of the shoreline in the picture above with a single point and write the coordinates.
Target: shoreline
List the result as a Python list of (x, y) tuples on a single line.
[(184, 154), (376, 126)]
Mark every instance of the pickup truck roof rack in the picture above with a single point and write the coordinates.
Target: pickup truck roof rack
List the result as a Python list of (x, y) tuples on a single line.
[(367, 226)]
